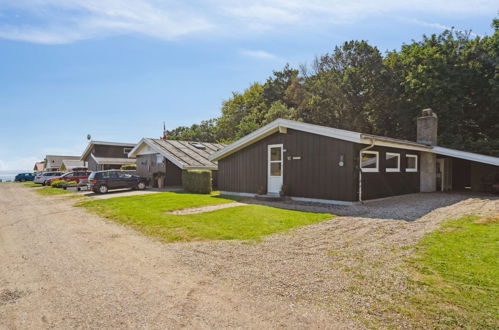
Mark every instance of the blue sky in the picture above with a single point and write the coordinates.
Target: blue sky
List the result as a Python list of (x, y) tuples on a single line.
[(116, 69)]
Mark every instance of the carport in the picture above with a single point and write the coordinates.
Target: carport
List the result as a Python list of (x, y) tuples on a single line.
[(460, 170)]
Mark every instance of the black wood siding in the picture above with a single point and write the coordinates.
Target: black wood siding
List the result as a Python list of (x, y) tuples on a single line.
[(104, 151), (316, 175), (109, 151), (385, 184)]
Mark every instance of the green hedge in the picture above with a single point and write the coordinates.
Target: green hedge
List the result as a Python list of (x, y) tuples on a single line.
[(129, 167), (197, 181), (58, 183)]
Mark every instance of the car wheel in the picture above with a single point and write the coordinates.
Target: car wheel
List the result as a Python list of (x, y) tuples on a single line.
[(22, 180), (141, 186), (103, 189)]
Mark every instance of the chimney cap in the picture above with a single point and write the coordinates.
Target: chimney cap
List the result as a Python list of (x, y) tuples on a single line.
[(428, 112)]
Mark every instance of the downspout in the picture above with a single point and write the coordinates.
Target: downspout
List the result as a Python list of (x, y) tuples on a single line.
[(373, 141)]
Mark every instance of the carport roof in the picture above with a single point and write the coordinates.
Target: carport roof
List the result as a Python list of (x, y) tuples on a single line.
[(466, 155)]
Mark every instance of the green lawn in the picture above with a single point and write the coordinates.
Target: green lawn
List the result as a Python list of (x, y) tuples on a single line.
[(31, 184), (48, 191), (147, 214), (458, 269)]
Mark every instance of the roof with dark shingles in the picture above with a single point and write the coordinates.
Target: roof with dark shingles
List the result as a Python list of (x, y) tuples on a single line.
[(186, 153)]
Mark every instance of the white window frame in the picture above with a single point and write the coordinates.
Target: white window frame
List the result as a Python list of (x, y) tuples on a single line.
[(412, 169), (160, 158), (377, 161), (393, 169), (126, 150), (269, 147)]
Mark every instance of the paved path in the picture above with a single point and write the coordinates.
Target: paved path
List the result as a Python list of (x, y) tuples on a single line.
[(61, 267)]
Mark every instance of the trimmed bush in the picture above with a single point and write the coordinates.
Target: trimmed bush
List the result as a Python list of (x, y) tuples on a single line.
[(58, 183), (129, 167), (197, 181)]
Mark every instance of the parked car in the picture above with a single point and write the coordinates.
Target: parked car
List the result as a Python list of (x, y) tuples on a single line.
[(70, 176), (103, 181), (24, 177), (42, 177)]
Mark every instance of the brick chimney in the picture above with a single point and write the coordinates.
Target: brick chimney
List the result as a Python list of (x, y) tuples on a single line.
[(427, 126)]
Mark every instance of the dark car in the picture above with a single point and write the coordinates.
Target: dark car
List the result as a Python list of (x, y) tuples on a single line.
[(25, 177), (103, 181), (70, 176)]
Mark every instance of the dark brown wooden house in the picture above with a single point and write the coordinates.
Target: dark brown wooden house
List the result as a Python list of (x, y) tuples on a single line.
[(317, 163), (170, 157), (102, 155)]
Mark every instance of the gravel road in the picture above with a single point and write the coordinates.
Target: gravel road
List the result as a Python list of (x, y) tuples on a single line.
[(62, 267)]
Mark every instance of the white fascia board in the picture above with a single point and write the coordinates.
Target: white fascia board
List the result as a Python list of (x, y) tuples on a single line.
[(105, 143), (273, 127), (245, 141), (466, 155), (401, 145), (133, 152), (95, 160), (86, 151), (211, 168), (336, 133), (160, 151)]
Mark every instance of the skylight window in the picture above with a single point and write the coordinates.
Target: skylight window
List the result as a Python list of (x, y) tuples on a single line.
[(198, 145)]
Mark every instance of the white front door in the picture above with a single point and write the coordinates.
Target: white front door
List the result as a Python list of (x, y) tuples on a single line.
[(275, 168)]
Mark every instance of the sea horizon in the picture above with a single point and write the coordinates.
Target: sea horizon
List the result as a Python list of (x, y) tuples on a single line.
[(9, 175)]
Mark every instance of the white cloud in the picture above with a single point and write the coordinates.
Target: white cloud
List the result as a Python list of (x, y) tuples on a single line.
[(258, 54), (432, 25), (63, 21), (18, 163)]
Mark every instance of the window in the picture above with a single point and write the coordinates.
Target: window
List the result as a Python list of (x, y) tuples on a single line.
[(369, 161), (275, 161), (392, 161), (159, 159), (412, 163), (197, 145), (126, 150)]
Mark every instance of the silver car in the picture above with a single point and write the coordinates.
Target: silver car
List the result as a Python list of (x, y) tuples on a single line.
[(42, 177)]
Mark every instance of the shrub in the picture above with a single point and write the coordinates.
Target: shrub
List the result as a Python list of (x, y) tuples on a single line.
[(57, 183), (197, 181), (129, 167)]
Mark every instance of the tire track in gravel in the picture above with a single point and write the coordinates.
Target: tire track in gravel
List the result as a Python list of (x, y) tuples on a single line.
[(81, 271)]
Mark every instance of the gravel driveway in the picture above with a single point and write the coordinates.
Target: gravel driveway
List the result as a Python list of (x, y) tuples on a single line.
[(62, 268)]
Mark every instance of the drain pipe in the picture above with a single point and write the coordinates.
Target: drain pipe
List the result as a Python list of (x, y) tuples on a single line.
[(373, 141)]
